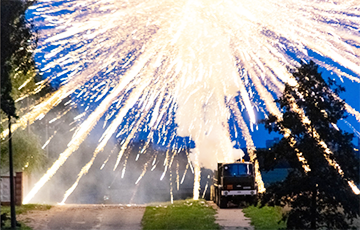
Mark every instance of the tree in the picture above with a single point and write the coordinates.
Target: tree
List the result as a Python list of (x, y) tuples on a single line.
[(320, 198), (17, 42), (27, 151)]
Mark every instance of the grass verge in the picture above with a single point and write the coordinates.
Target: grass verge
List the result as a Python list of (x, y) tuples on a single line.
[(183, 214), (266, 217), (23, 209)]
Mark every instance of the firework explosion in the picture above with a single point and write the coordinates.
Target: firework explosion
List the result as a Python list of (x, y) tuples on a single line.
[(142, 65)]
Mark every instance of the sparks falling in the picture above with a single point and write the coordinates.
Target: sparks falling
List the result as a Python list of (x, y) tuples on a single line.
[(183, 61)]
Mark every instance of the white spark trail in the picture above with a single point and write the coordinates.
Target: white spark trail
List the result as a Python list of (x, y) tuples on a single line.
[(85, 129), (108, 134), (249, 145)]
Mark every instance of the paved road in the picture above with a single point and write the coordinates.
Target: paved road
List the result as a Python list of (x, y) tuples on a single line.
[(89, 217), (111, 217)]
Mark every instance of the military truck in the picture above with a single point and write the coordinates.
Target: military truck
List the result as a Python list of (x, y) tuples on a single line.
[(234, 182)]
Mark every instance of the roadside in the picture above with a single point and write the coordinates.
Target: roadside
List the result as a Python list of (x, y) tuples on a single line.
[(22, 210), (104, 217), (182, 214), (266, 217)]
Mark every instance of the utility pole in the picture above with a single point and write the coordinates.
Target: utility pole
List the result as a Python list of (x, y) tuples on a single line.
[(12, 185)]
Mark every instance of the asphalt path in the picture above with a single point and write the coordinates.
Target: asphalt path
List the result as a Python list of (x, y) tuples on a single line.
[(89, 217), (231, 218)]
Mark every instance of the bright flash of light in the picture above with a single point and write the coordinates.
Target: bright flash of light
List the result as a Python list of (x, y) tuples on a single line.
[(183, 61), (250, 146), (197, 176)]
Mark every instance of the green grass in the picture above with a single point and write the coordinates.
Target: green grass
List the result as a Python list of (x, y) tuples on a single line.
[(183, 214), (22, 227), (23, 209), (266, 217)]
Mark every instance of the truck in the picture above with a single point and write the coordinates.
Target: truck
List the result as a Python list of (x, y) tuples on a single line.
[(235, 183)]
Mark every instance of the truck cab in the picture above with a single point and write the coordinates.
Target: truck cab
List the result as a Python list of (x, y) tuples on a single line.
[(234, 182)]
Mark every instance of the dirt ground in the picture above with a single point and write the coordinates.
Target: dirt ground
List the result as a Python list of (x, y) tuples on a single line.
[(68, 217)]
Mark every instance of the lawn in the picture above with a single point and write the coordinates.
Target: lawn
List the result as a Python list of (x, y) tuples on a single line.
[(266, 217), (22, 210), (182, 214)]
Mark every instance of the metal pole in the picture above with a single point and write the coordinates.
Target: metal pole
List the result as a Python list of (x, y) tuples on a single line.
[(12, 186)]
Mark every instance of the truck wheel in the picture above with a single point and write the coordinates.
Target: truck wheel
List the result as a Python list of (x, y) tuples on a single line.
[(223, 202), (254, 200)]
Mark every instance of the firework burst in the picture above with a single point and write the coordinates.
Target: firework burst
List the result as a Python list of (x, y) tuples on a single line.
[(194, 63)]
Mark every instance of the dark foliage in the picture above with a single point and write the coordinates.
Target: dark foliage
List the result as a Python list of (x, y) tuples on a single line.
[(320, 198), (17, 41)]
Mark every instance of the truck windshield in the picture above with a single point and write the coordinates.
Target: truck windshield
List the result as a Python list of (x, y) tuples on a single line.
[(237, 170)]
